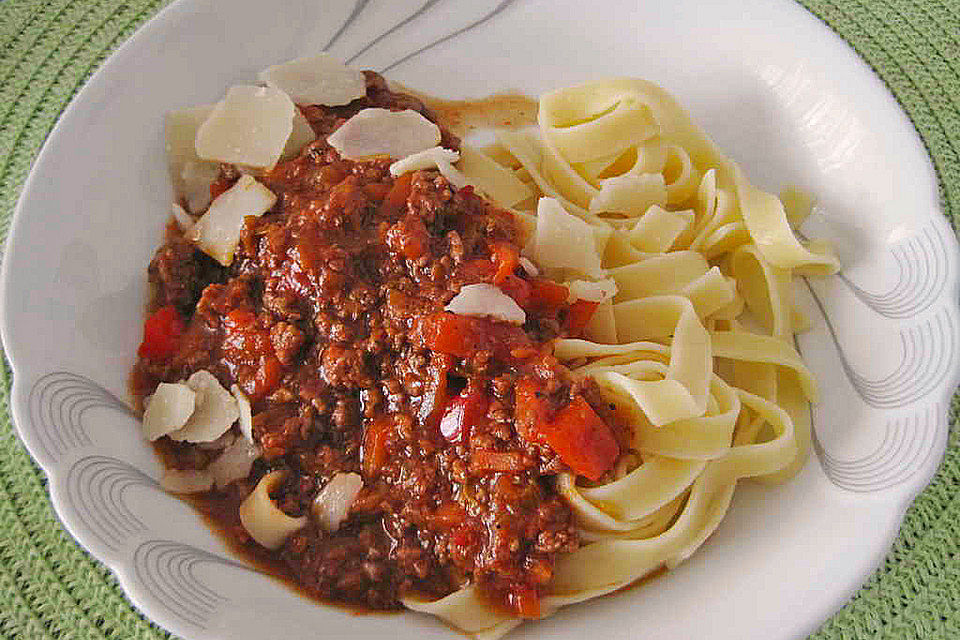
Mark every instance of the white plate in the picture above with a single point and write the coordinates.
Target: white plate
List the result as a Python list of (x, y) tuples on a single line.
[(777, 90)]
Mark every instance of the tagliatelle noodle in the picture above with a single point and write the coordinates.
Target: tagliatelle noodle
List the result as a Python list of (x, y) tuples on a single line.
[(694, 352)]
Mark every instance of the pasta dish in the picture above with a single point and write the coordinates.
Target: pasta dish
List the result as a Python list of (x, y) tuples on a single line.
[(478, 381)]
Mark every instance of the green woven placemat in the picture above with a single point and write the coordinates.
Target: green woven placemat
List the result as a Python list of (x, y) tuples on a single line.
[(50, 588)]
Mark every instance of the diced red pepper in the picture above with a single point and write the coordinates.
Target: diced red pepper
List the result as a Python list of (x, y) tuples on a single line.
[(463, 336), (500, 461), (434, 399), (266, 379), (505, 258), (517, 288), (530, 410), (409, 237), (476, 270), (579, 314), (546, 296), (161, 333), (396, 198), (582, 439), (464, 410), (376, 438), (575, 432)]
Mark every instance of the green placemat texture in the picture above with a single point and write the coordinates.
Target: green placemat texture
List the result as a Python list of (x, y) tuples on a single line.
[(50, 588)]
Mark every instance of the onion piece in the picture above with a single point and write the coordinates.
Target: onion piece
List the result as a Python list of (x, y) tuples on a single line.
[(378, 132), (486, 300), (186, 481), (234, 463), (170, 407), (331, 505), (216, 410)]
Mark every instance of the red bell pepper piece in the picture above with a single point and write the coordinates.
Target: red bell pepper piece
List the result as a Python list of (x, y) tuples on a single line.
[(464, 410), (575, 432), (396, 199), (506, 258), (579, 314), (161, 333), (546, 296), (463, 336)]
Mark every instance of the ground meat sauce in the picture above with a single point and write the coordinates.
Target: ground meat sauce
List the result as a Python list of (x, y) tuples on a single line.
[(331, 320)]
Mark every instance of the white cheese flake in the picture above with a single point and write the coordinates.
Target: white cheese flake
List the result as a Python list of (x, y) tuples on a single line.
[(301, 135), (375, 132), (234, 463), (430, 158), (191, 176), (250, 127), (245, 421), (486, 300), (217, 232), (170, 406), (564, 241), (318, 79), (216, 410)]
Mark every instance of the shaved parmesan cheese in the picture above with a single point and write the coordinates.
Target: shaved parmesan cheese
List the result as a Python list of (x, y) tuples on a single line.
[(494, 180), (427, 159), (184, 220), (245, 421), (234, 463), (379, 132), (486, 300), (591, 291), (332, 504), (169, 409), (319, 79), (217, 232), (186, 481), (191, 176), (564, 241), (301, 135), (215, 412), (249, 127)]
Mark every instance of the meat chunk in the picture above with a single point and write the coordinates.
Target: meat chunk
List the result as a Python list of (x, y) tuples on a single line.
[(344, 367), (180, 273), (287, 340)]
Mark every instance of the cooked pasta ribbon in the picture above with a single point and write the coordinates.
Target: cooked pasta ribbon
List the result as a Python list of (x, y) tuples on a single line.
[(694, 352)]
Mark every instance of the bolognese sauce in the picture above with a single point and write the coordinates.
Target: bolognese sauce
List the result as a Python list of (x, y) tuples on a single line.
[(331, 320)]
